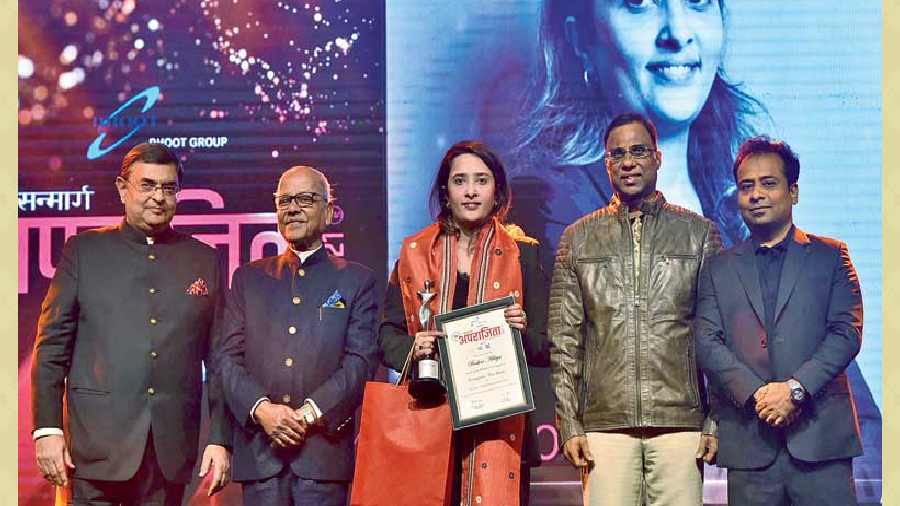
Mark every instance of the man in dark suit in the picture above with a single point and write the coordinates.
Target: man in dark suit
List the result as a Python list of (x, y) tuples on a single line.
[(298, 344), (123, 330), (779, 318)]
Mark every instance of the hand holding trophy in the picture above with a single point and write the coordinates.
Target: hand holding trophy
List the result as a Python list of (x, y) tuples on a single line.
[(426, 383)]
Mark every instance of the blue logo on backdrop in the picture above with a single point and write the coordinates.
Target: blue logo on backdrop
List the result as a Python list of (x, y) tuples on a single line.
[(150, 96)]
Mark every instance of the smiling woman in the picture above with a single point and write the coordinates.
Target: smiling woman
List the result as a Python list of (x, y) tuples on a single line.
[(470, 190), (470, 187), (660, 58), (469, 256)]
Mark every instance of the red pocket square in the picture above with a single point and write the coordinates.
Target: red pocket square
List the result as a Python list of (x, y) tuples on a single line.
[(198, 287)]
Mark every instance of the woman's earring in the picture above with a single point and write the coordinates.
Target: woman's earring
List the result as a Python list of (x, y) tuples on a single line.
[(571, 33), (588, 72)]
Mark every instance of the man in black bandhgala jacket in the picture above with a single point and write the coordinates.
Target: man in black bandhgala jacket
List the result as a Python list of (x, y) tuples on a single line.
[(123, 330)]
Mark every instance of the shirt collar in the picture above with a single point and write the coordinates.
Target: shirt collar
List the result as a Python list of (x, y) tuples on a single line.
[(781, 247), (303, 255), (133, 234)]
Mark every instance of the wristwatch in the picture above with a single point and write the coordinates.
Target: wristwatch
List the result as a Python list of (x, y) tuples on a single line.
[(798, 393), (307, 412)]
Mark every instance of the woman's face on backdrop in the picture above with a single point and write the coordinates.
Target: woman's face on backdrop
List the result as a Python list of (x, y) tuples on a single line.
[(470, 190), (658, 57)]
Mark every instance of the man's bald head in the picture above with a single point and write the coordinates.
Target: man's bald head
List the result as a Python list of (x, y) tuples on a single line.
[(303, 204), (308, 173)]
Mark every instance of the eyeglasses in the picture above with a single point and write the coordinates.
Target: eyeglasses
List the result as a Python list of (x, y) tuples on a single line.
[(147, 186), (303, 199), (639, 151)]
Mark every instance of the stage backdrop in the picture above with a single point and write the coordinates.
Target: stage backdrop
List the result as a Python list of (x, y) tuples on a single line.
[(241, 91), (715, 73)]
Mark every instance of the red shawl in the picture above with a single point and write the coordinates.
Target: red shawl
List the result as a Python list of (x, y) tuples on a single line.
[(492, 451)]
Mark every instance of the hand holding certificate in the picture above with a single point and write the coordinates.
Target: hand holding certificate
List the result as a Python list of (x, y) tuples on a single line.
[(484, 364)]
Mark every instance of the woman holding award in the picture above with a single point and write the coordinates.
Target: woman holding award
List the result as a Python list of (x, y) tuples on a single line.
[(466, 257)]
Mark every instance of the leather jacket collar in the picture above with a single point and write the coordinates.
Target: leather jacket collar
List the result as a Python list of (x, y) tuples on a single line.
[(650, 205)]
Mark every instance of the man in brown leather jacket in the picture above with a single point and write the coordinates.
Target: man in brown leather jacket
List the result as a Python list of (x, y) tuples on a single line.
[(621, 306)]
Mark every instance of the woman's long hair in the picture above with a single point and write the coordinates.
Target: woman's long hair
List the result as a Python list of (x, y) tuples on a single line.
[(565, 118)]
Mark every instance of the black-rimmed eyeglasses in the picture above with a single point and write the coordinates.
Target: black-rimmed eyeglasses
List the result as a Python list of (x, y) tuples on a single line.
[(302, 199)]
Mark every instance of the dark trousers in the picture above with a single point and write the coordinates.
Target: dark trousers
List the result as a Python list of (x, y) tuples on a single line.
[(148, 487), (288, 489), (788, 481)]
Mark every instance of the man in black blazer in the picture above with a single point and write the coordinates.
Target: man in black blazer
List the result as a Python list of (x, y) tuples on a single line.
[(297, 346), (122, 332), (779, 319)]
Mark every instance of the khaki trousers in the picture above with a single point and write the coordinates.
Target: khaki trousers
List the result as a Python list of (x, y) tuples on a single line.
[(657, 464)]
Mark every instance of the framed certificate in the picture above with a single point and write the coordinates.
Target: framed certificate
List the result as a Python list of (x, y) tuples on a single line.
[(484, 364)]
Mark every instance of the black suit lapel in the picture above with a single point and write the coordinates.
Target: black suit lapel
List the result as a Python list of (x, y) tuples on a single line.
[(790, 271), (745, 263)]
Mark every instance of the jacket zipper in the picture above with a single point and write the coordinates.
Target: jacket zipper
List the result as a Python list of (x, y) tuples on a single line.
[(635, 308)]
